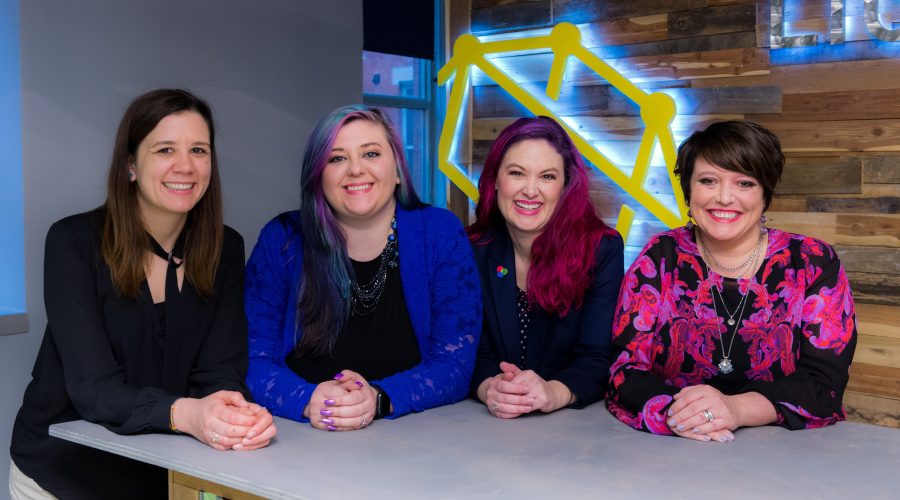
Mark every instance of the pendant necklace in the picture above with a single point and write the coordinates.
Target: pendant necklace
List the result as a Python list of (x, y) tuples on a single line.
[(364, 298), (725, 366)]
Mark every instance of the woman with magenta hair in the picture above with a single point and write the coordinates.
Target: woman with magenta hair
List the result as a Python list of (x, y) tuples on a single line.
[(550, 272), (724, 323), (365, 303)]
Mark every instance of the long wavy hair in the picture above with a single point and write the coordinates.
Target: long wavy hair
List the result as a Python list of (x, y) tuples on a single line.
[(562, 256), (125, 243), (323, 303)]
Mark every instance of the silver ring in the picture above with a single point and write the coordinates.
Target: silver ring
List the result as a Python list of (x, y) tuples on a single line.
[(213, 437), (494, 407), (708, 415)]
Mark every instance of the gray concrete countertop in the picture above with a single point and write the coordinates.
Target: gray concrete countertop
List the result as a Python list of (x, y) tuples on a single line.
[(460, 451)]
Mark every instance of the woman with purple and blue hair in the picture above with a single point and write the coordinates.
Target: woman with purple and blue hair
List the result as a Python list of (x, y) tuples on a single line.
[(365, 303), (550, 272)]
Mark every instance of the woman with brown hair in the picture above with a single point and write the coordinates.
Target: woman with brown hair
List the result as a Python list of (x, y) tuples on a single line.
[(145, 324)]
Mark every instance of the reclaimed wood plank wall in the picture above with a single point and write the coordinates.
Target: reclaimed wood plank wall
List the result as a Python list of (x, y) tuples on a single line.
[(838, 118)]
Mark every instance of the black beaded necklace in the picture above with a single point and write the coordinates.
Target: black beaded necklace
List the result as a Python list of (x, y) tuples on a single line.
[(364, 298)]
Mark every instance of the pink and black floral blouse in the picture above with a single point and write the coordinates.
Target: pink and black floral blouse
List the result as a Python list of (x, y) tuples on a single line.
[(793, 343)]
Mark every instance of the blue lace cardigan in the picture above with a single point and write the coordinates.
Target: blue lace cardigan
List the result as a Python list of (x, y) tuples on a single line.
[(443, 296)]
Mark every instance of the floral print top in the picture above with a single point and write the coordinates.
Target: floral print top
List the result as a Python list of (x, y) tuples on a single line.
[(794, 341)]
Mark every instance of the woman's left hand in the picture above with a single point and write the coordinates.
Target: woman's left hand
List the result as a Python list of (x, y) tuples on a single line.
[(547, 396), (261, 433), (700, 410)]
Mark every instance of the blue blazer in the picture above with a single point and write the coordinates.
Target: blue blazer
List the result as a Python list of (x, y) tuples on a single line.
[(574, 350), (440, 285)]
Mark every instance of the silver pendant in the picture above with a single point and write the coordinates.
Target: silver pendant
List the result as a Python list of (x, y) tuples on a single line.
[(725, 366), (730, 321)]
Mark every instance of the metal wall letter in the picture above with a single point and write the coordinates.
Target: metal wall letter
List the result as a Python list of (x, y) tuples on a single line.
[(876, 27), (777, 39)]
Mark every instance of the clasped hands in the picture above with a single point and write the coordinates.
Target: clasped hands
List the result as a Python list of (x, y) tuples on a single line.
[(703, 413), (344, 404), (225, 421), (514, 392)]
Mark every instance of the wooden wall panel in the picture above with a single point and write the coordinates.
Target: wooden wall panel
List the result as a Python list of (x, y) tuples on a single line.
[(857, 229), (835, 108), (817, 175), (877, 410)]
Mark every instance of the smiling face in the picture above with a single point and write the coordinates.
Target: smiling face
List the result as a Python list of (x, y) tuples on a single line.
[(172, 167), (726, 205), (361, 174), (529, 184)]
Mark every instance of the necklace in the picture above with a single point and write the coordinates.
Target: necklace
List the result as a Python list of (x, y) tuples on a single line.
[(725, 365), (738, 270), (365, 297)]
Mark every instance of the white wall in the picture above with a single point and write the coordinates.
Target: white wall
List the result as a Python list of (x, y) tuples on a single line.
[(269, 68)]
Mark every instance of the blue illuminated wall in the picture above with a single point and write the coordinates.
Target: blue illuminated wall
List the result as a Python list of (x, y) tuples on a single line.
[(12, 258)]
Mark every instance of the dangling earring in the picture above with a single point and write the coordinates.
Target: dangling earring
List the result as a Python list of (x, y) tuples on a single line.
[(131, 176), (690, 223), (762, 224)]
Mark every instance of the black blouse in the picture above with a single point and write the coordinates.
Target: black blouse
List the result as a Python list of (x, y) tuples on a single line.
[(376, 345), (107, 359)]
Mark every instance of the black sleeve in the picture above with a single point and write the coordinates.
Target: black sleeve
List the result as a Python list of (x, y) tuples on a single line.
[(94, 380), (811, 396)]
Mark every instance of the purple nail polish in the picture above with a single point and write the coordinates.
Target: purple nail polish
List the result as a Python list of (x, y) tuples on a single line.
[(329, 402), (671, 413), (328, 421), (671, 422), (696, 430), (723, 439), (680, 427), (339, 376), (359, 384), (325, 413), (332, 428)]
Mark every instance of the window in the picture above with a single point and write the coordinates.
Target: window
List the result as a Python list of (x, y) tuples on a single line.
[(12, 252), (402, 87)]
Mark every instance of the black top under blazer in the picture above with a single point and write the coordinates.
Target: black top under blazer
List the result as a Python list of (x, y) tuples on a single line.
[(575, 349)]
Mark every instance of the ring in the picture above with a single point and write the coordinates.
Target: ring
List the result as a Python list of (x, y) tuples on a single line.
[(708, 415), (213, 437), (494, 407)]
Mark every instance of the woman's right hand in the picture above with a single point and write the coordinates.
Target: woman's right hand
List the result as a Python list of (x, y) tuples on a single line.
[(319, 409), (220, 420), (503, 398)]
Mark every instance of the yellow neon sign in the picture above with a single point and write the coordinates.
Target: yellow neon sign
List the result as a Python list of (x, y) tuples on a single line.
[(657, 113)]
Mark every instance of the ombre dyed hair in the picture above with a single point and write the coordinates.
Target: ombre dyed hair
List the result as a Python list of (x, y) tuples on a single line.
[(562, 256), (323, 303)]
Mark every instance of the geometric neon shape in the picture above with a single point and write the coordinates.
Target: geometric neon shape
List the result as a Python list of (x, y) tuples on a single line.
[(564, 40)]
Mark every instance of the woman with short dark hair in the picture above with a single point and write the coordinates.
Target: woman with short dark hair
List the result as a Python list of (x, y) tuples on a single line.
[(725, 323)]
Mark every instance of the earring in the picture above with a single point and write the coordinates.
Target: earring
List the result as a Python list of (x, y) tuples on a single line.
[(131, 176), (690, 223), (762, 224)]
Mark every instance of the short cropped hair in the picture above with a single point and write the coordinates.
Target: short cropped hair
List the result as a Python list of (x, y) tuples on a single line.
[(738, 146)]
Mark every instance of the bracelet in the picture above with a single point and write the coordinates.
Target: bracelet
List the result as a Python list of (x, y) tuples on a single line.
[(172, 418)]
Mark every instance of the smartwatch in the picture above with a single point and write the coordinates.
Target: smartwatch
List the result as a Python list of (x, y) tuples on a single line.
[(382, 402)]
